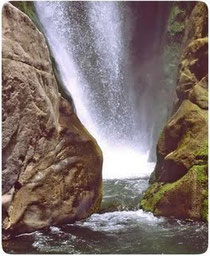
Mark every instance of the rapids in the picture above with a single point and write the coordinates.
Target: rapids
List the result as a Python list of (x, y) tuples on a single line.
[(121, 227)]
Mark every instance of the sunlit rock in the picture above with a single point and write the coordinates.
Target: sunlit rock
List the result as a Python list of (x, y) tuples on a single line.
[(49, 159), (180, 180)]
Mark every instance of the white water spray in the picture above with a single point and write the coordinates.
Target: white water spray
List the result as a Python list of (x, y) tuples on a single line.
[(87, 43)]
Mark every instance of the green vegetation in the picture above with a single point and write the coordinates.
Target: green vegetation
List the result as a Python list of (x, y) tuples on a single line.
[(28, 8), (172, 50), (170, 60), (204, 210), (175, 28), (176, 21), (152, 197), (203, 151), (191, 187), (154, 194), (202, 180), (187, 196)]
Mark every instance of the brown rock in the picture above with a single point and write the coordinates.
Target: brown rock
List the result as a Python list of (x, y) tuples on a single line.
[(199, 93), (180, 179), (187, 198), (50, 159), (194, 67), (181, 138), (197, 26)]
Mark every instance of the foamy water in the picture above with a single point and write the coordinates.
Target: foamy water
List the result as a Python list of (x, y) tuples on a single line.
[(125, 162), (121, 229), (119, 220)]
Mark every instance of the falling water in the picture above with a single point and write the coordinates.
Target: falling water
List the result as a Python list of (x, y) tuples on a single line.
[(90, 42)]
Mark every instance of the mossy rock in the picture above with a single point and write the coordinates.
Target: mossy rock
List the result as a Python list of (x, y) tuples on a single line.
[(199, 94), (197, 26), (176, 23), (186, 198), (193, 68), (28, 8), (180, 179), (182, 138)]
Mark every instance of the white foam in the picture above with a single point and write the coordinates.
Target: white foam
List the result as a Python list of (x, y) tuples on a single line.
[(125, 162), (120, 220), (55, 230)]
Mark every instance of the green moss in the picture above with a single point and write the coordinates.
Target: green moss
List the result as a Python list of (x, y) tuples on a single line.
[(202, 179), (204, 210), (153, 195), (175, 11), (28, 8), (175, 28), (203, 150), (160, 192), (148, 201), (175, 24), (187, 193), (201, 173)]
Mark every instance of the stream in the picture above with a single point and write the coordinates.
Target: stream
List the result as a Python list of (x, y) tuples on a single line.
[(121, 228)]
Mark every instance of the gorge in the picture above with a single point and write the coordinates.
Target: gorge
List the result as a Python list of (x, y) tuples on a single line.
[(115, 65)]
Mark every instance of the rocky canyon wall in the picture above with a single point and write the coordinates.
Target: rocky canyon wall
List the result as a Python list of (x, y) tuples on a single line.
[(180, 180), (52, 166)]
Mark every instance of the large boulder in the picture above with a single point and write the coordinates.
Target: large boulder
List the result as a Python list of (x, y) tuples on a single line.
[(180, 180), (52, 166), (180, 142)]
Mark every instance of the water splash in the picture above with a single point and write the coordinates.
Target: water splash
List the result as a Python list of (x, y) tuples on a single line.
[(116, 222), (125, 162), (91, 50)]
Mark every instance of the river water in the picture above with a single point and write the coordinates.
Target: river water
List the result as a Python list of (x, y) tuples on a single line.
[(120, 228)]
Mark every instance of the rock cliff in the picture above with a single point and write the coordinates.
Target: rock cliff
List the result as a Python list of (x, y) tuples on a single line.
[(51, 164), (180, 179)]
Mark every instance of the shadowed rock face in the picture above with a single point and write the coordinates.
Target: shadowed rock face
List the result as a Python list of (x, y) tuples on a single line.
[(51, 163), (180, 179)]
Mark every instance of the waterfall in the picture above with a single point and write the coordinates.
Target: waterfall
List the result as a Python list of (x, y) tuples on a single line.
[(90, 42), (116, 61)]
